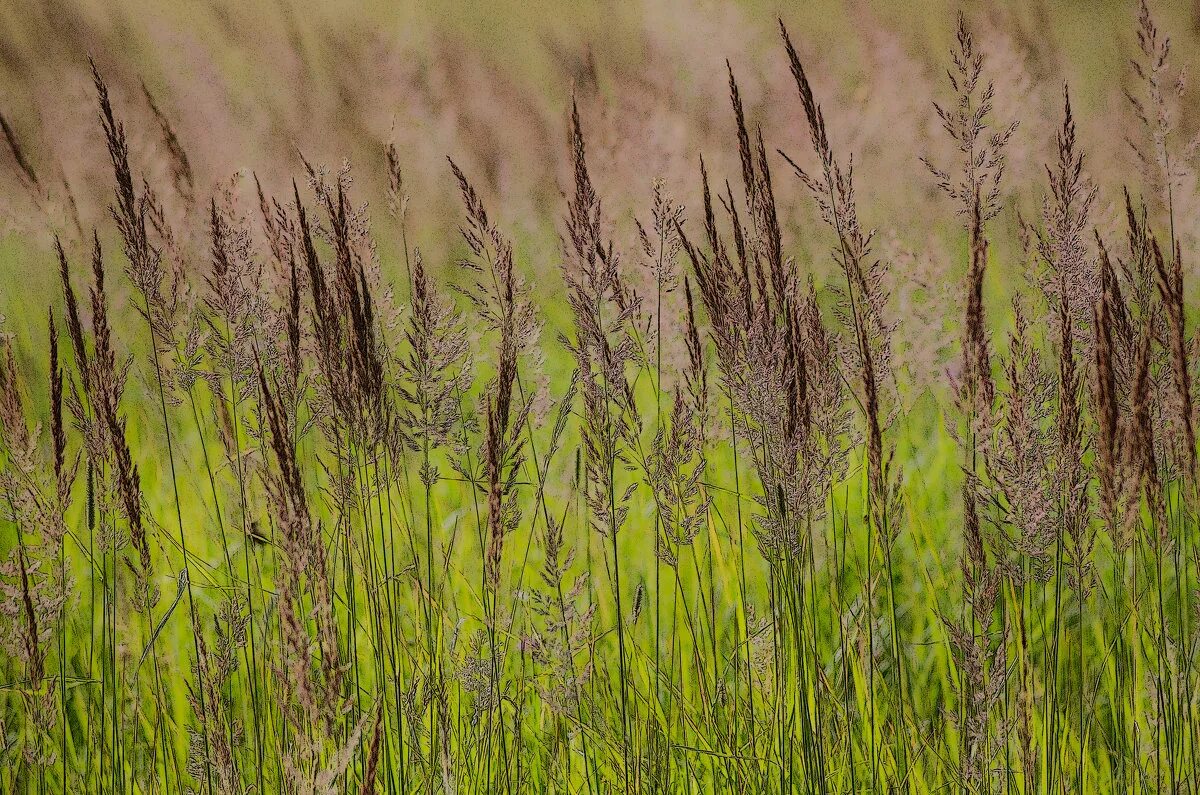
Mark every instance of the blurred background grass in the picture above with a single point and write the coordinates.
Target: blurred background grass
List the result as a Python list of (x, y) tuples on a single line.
[(252, 87)]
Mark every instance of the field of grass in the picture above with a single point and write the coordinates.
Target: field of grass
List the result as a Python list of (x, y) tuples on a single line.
[(306, 489)]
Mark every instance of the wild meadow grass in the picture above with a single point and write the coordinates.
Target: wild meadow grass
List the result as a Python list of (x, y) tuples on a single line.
[(284, 514)]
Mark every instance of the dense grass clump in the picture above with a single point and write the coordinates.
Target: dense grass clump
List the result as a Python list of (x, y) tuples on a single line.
[(319, 522)]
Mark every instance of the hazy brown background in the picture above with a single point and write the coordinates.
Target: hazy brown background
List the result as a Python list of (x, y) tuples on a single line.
[(248, 86)]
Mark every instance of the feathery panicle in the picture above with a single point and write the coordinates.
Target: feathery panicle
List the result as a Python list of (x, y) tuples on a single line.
[(503, 305), (1170, 287), (968, 123)]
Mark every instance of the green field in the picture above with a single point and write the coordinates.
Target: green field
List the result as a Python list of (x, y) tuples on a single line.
[(758, 426)]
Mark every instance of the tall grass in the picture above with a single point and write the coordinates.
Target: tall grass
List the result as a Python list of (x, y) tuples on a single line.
[(310, 531)]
